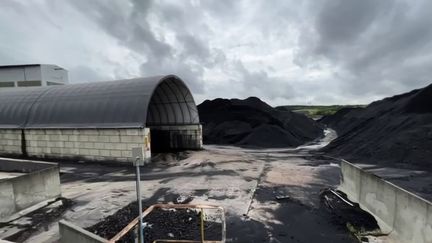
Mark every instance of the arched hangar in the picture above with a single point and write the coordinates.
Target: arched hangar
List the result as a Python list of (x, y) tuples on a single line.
[(99, 121)]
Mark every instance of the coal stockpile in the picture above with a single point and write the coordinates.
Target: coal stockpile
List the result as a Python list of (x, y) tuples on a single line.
[(394, 131), (252, 122), (161, 224)]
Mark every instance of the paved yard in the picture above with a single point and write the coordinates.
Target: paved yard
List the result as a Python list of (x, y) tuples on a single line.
[(244, 181)]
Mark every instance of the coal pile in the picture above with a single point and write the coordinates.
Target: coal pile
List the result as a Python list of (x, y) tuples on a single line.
[(167, 224), (252, 122), (395, 131)]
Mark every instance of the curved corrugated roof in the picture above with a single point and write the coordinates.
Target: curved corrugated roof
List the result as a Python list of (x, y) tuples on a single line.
[(140, 102)]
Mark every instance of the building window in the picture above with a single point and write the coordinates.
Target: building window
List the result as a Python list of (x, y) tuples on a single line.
[(52, 83), (7, 84), (29, 83)]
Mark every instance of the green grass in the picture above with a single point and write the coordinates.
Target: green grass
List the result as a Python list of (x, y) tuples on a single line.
[(316, 111)]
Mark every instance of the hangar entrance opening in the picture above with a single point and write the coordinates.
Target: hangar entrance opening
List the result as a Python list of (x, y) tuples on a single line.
[(172, 117)]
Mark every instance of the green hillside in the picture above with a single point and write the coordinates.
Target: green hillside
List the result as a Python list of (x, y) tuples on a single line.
[(315, 111)]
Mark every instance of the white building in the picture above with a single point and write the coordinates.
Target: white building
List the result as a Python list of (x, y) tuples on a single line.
[(29, 75)]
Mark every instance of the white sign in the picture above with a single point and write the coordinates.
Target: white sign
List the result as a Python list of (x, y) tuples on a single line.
[(137, 156)]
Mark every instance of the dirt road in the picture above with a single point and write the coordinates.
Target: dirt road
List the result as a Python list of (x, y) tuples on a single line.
[(246, 182)]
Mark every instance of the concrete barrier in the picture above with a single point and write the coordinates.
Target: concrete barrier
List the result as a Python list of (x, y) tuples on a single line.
[(40, 182), (404, 215), (70, 233)]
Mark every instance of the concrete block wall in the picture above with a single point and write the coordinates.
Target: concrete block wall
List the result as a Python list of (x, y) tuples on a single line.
[(99, 144), (10, 141), (88, 144), (406, 216)]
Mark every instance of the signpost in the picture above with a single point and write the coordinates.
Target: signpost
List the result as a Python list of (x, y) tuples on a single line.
[(137, 154)]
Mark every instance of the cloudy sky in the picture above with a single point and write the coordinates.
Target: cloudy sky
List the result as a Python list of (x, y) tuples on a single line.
[(283, 51)]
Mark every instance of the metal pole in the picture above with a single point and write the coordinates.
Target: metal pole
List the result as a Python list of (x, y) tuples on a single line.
[(140, 227), (202, 225)]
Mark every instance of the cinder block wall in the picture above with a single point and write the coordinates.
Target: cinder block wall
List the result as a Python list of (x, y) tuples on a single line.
[(99, 144), (88, 144), (10, 141)]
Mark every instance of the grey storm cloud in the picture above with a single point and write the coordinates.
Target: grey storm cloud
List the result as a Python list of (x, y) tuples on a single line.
[(377, 46), (259, 83), (128, 25), (285, 52), (86, 74), (132, 27)]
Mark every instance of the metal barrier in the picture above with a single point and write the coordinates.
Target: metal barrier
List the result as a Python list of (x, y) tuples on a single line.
[(134, 222)]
